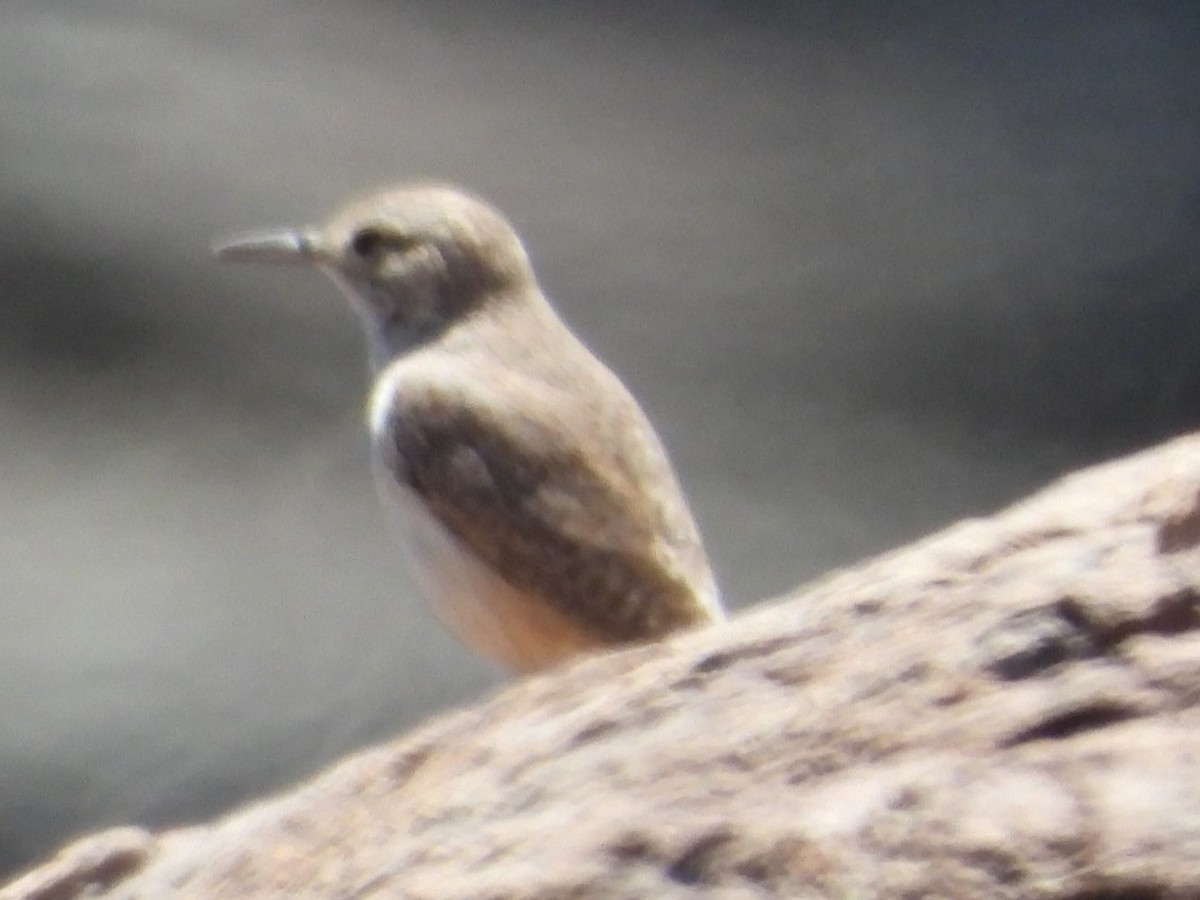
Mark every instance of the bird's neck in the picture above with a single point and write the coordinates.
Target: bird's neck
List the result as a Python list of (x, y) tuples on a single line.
[(388, 337), (498, 325), (388, 340)]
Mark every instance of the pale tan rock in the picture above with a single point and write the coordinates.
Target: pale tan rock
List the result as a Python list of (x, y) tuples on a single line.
[(88, 865), (1010, 708)]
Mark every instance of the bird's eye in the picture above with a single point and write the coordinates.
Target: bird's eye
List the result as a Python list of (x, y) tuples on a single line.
[(366, 241), (370, 241)]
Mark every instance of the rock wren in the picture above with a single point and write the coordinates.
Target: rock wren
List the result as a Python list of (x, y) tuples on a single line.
[(539, 509)]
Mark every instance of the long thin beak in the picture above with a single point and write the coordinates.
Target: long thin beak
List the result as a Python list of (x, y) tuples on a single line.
[(288, 246)]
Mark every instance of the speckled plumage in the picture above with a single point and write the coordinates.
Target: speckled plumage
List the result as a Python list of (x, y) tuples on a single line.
[(539, 508)]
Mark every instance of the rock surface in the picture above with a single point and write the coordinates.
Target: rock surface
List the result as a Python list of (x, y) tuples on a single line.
[(1010, 708)]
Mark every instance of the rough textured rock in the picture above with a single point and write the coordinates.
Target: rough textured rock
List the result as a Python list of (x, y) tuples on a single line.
[(1007, 709)]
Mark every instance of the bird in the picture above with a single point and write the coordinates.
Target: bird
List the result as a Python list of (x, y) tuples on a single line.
[(540, 512)]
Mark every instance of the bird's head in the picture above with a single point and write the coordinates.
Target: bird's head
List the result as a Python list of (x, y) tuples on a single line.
[(412, 260)]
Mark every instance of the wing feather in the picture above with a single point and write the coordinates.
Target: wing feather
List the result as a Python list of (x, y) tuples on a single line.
[(576, 506)]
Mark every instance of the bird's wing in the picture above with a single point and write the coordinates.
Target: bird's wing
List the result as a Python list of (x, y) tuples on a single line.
[(580, 526)]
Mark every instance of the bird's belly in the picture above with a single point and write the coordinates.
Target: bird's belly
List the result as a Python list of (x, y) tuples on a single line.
[(498, 621)]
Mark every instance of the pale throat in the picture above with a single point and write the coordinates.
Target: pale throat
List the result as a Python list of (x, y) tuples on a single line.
[(387, 337)]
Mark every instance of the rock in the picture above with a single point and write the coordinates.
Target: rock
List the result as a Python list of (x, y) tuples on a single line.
[(90, 864), (1006, 709)]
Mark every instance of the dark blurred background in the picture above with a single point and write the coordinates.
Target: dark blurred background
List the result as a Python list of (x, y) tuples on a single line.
[(871, 267)]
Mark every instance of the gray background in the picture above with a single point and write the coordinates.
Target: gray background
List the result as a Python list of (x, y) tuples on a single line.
[(870, 271)]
